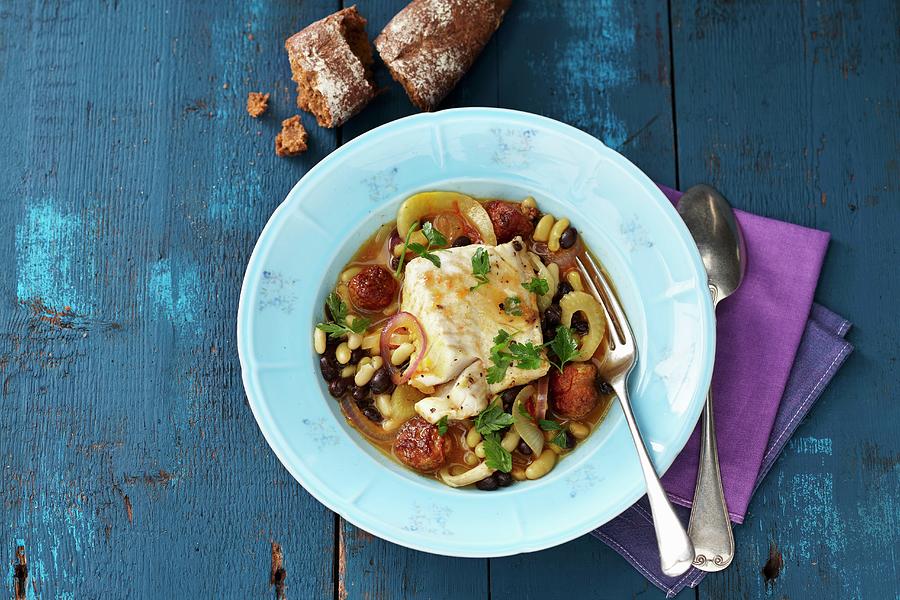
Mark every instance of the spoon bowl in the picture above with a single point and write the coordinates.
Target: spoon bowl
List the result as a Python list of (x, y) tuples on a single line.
[(711, 222)]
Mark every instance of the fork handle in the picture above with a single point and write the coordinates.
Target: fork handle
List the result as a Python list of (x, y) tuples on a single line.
[(710, 526), (676, 552)]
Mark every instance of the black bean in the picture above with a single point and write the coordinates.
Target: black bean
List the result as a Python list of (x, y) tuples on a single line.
[(568, 238), (603, 387), (570, 439), (381, 382), (552, 317), (372, 414), (561, 290), (329, 371), (395, 262), (503, 479), (357, 355), (508, 397), (580, 324), (359, 392), (337, 388), (462, 240), (523, 448), (488, 484), (517, 245)]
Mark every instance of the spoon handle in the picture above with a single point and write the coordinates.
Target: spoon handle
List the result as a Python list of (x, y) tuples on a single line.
[(710, 526)]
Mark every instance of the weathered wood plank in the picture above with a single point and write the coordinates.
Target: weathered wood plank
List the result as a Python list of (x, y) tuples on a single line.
[(134, 188), (794, 115)]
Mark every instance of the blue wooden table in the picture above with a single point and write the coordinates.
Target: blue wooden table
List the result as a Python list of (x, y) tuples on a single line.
[(134, 186)]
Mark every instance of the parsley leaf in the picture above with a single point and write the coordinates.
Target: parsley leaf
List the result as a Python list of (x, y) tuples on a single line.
[(513, 306), (550, 425), (339, 326), (564, 346), (507, 352), (561, 440), (442, 425), (496, 456), (537, 286), (481, 266), (527, 356), (405, 246), (492, 419), (434, 237), (424, 253)]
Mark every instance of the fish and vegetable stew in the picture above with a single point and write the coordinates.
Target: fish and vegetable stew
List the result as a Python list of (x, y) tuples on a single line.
[(460, 340)]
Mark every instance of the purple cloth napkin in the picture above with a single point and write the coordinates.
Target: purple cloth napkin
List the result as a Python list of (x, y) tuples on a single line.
[(767, 318), (821, 353), (764, 319)]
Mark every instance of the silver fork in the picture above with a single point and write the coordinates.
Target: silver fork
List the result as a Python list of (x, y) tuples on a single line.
[(676, 552)]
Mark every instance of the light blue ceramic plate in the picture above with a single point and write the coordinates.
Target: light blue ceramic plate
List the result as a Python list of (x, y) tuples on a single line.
[(623, 217)]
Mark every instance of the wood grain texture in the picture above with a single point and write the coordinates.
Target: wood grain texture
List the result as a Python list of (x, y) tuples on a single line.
[(795, 116), (133, 188)]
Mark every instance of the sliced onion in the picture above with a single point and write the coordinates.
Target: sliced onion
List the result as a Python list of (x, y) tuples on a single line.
[(404, 321), (539, 402), (363, 424), (525, 426), (471, 476)]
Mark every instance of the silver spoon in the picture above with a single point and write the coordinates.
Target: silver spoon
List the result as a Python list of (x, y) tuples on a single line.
[(711, 222)]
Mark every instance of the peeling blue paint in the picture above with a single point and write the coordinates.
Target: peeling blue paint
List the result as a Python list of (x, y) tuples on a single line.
[(811, 445), (587, 72), (176, 297), (46, 238), (819, 523)]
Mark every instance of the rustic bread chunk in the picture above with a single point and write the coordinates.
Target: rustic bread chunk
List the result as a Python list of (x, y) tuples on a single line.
[(292, 139), (257, 103), (331, 61), (429, 45)]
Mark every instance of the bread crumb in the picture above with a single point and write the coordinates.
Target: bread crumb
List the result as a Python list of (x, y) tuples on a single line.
[(292, 139), (257, 103)]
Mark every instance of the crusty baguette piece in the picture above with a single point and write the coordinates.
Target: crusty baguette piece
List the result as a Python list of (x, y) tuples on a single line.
[(331, 61), (429, 45)]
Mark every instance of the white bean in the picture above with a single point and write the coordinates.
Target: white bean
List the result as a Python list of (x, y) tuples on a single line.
[(364, 375), (377, 362), (383, 404), (510, 440), (542, 230), (342, 353), (555, 232), (579, 430), (542, 465), (319, 341), (574, 279), (354, 341), (529, 202), (348, 371), (479, 450), (402, 353), (472, 438), (470, 459)]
